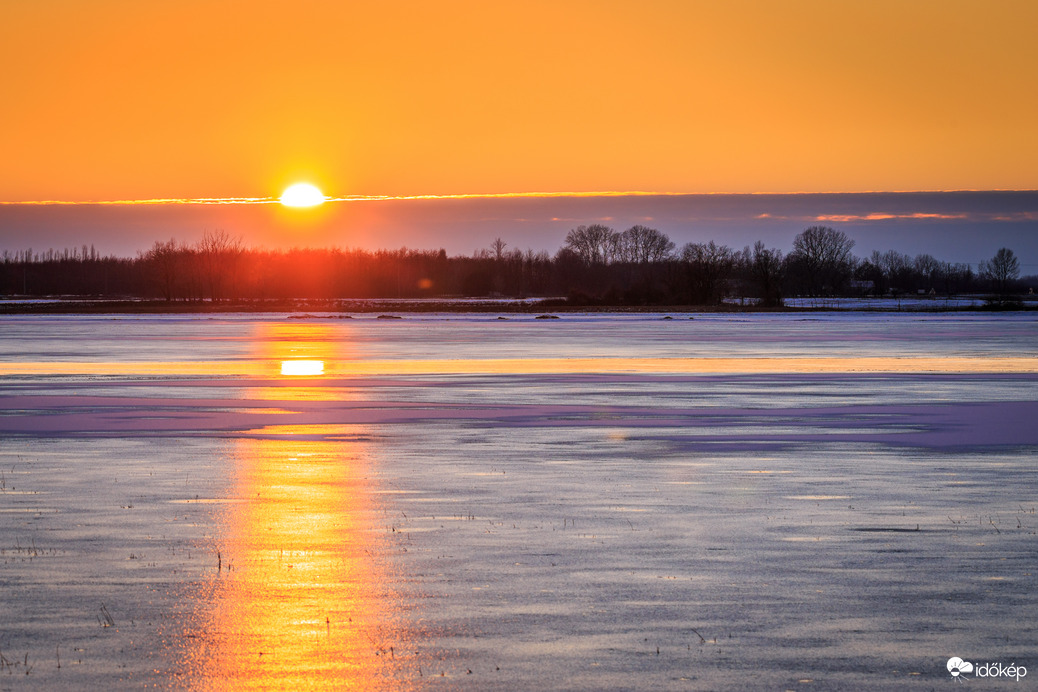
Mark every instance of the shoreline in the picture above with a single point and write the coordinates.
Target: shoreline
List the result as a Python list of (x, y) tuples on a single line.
[(77, 306)]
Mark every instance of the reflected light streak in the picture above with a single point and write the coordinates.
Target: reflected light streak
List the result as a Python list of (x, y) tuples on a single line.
[(298, 597), (299, 351), (299, 601)]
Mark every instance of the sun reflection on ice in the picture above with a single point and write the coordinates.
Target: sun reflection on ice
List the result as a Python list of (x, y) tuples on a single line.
[(302, 368), (300, 603), (298, 595)]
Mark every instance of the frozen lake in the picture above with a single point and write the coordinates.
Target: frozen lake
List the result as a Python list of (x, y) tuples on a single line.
[(801, 502)]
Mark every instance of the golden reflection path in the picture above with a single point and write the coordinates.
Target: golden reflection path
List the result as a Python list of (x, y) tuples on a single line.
[(536, 366), (299, 597)]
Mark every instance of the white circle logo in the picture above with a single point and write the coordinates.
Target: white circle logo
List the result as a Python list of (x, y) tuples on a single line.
[(956, 666)]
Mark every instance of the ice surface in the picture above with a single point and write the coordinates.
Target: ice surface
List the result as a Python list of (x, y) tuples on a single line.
[(573, 529)]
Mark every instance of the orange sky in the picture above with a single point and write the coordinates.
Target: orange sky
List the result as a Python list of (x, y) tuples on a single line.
[(121, 99)]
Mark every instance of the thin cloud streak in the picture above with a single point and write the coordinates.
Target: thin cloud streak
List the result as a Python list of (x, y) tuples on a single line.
[(874, 216), (135, 202), (508, 195), (881, 216), (348, 198)]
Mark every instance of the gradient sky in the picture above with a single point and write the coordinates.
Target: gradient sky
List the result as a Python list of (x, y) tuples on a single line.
[(120, 99), (127, 100)]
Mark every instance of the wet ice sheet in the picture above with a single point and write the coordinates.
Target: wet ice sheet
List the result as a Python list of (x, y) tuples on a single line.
[(514, 531), (607, 561), (229, 338), (975, 420)]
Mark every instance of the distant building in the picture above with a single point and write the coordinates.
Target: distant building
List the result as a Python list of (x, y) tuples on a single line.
[(862, 286)]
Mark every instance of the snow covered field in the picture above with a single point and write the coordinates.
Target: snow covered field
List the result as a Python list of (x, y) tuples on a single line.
[(835, 501)]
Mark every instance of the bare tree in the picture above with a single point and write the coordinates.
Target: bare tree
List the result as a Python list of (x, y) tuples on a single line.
[(644, 245), (220, 253), (822, 259), (167, 260), (708, 268), (498, 247), (1001, 270), (929, 268), (594, 244), (766, 271), (899, 270)]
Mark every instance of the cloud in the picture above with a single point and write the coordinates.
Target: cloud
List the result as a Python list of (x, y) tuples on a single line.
[(1016, 217), (353, 198), (882, 216), (152, 202)]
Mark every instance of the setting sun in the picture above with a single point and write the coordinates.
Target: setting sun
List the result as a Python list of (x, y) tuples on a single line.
[(302, 195)]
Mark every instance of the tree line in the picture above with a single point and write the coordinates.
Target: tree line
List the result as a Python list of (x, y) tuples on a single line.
[(595, 265)]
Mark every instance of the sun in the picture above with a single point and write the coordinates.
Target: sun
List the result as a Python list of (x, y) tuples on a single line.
[(302, 195)]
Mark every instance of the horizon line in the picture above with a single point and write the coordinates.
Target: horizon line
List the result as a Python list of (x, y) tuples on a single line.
[(203, 201)]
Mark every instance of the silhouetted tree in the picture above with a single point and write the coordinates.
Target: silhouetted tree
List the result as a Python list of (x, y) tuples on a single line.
[(498, 248), (898, 269), (1001, 270), (708, 267), (765, 270), (569, 270), (821, 260), (644, 245), (219, 253), (166, 263), (928, 268), (594, 244), (596, 265)]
